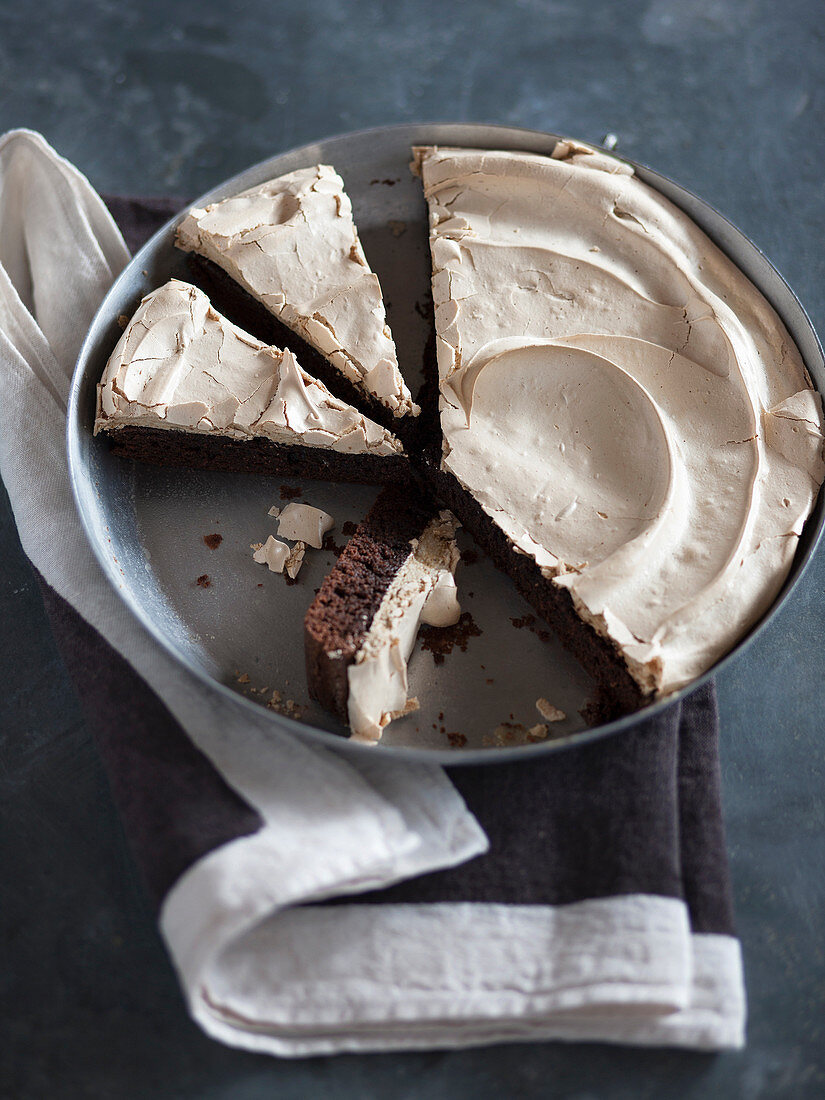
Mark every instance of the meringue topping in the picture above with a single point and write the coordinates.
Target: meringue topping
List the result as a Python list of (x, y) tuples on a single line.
[(423, 590), (619, 398), (292, 244), (180, 365)]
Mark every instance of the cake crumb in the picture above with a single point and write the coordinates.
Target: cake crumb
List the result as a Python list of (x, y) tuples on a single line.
[(457, 740), (442, 640), (290, 492), (243, 678), (289, 709), (331, 546), (348, 527), (203, 581), (509, 733), (548, 711), (397, 228), (213, 541), (515, 733), (123, 320), (409, 707), (525, 620), (295, 560), (530, 622), (469, 556)]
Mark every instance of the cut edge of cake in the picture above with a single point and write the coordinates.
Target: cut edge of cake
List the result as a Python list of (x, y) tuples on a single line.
[(395, 573), (186, 387), (569, 310), (617, 691)]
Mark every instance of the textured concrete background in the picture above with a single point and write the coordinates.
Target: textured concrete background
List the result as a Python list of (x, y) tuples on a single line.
[(726, 96)]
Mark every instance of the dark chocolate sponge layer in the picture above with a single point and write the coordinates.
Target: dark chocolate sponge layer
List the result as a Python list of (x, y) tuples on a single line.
[(341, 613), (167, 447), (618, 691)]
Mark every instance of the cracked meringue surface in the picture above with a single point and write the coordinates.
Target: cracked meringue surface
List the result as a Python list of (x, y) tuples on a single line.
[(292, 244), (619, 398), (180, 365)]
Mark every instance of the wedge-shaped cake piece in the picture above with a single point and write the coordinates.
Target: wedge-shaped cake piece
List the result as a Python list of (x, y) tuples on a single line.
[(396, 572), (291, 245), (628, 428), (186, 387)]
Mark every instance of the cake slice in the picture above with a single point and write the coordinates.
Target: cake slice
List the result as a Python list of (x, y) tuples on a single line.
[(626, 425), (284, 260), (186, 387), (396, 572)]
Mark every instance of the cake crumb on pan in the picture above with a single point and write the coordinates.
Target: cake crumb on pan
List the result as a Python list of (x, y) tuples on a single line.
[(548, 711)]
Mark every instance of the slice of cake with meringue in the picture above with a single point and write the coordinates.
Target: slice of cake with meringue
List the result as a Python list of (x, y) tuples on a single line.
[(284, 260), (186, 387), (396, 572)]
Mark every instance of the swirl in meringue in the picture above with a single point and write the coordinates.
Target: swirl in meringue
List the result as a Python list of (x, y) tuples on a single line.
[(619, 398)]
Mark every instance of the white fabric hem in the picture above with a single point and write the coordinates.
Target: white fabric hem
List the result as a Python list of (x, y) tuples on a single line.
[(360, 977)]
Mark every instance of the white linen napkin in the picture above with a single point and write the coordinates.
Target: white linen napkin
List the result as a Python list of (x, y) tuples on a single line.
[(258, 970)]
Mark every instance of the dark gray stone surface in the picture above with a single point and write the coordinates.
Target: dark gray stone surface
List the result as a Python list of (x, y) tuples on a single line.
[(726, 96)]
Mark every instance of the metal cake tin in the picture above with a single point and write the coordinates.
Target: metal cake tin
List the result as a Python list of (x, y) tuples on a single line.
[(146, 525)]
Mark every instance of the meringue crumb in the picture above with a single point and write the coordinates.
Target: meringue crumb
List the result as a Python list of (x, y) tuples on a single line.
[(303, 523), (290, 708), (508, 733), (274, 554), (274, 512), (256, 545), (295, 561), (515, 733), (548, 711)]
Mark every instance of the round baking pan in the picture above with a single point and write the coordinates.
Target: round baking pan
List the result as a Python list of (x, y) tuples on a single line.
[(241, 633)]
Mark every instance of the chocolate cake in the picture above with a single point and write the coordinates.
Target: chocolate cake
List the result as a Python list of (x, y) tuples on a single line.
[(284, 260), (185, 387), (395, 573), (627, 427), (612, 410)]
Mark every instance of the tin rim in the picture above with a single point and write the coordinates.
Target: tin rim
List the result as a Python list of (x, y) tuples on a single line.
[(739, 248)]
